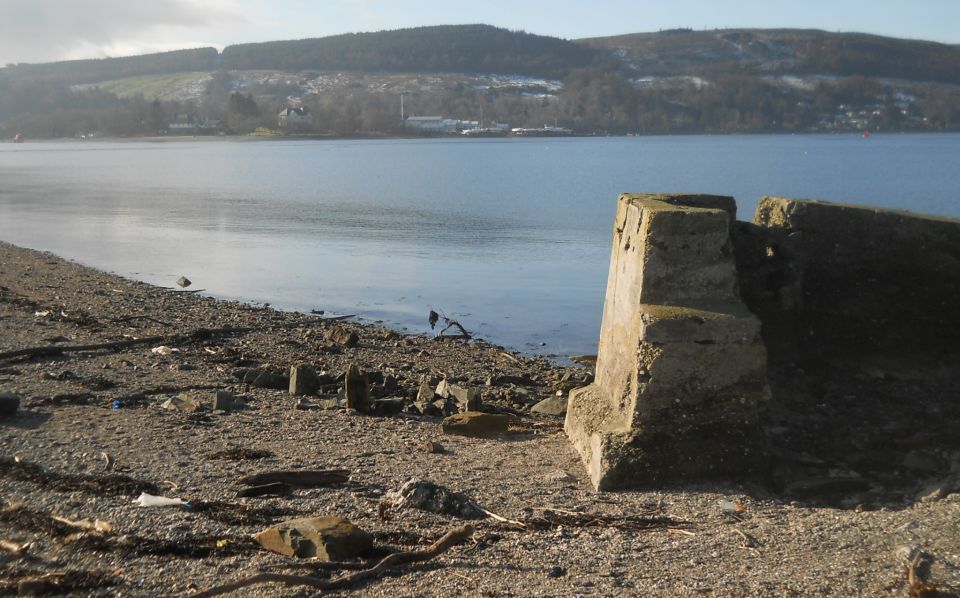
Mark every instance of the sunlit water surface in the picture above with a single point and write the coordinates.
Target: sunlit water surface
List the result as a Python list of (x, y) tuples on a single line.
[(511, 237)]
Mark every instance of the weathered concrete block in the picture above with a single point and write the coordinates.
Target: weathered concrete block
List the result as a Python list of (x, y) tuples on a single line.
[(681, 369), (303, 380), (356, 389)]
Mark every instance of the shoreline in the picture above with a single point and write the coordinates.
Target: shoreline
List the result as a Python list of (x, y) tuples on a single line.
[(98, 413), (384, 136)]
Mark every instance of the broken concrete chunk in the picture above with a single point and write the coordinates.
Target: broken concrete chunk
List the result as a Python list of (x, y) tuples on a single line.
[(465, 399), (9, 403), (427, 496), (356, 389), (443, 389), (476, 424), (303, 380), (324, 538), (224, 401), (182, 403), (425, 394), (343, 337)]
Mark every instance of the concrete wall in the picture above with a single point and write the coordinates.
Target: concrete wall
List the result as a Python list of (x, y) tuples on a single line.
[(831, 280)]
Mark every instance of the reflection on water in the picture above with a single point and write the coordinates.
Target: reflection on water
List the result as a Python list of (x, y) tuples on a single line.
[(510, 236)]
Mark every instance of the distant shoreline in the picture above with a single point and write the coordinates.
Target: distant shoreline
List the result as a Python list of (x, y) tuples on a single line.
[(254, 138)]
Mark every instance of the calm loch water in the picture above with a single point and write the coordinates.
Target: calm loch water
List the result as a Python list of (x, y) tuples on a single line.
[(511, 237)]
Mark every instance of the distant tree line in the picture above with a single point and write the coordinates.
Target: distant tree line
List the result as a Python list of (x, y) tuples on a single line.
[(593, 101)]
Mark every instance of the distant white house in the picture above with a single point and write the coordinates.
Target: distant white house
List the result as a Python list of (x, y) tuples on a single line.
[(293, 116), (432, 124)]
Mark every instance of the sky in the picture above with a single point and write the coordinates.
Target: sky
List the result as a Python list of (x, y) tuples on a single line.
[(48, 30)]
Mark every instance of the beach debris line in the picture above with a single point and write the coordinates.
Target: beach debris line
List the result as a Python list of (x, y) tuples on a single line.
[(449, 540)]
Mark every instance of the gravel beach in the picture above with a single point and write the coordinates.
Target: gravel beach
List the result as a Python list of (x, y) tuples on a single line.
[(865, 469)]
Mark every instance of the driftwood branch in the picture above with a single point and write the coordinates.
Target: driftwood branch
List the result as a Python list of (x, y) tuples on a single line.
[(198, 334), (60, 350), (300, 479), (397, 559)]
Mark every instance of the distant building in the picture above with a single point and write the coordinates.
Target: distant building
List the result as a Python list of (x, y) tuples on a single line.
[(432, 124), (291, 117), (186, 123), (183, 123)]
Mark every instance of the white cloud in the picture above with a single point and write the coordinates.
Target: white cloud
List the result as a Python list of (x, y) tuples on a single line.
[(44, 30)]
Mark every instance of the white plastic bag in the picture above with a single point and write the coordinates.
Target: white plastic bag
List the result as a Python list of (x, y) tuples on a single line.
[(149, 500)]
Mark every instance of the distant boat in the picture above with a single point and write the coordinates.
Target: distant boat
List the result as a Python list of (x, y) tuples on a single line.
[(866, 134)]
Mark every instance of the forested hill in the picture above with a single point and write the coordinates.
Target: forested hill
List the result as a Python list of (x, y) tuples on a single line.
[(493, 50), (782, 51), (103, 69), (439, 49)]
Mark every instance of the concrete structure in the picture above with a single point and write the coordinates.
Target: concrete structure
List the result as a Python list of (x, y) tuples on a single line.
[(840, 282), (681, 368)]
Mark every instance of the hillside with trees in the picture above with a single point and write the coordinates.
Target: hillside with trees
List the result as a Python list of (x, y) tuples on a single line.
[(438, 49), (677, 81), (104, 69), (780, 52)]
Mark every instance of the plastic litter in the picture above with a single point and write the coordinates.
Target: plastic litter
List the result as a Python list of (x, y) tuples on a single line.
[(150, 500), (731, 508), (164, 350)]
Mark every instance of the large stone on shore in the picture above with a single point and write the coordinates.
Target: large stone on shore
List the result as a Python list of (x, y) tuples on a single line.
[(681, 368), (303, 380), (9, 403), (551, 406), (324, 538), (476, 424), (182, 402), (356, 389)]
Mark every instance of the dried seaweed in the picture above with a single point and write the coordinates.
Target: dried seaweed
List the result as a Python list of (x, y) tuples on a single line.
[(552, 518), (35, 582), (239, 454), (235, 514), (109, 485)]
